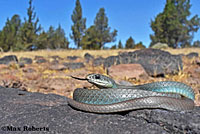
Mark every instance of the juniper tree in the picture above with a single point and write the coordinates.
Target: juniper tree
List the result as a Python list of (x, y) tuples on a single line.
[(90, 40), (9, 34), (103, 31), (56, 38), (79, 26), (129, 43), (120, 46), (30, 28), (173, 25)]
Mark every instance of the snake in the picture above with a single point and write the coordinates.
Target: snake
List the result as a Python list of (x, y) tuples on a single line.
[(111, 97)]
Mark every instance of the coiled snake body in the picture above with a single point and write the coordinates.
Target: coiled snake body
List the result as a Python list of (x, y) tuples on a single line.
[(112, 97)]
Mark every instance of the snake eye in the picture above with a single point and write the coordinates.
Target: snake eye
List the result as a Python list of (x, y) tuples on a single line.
[(97, 76)]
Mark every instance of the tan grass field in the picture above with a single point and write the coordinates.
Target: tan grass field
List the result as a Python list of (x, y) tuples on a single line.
[(81, 53)]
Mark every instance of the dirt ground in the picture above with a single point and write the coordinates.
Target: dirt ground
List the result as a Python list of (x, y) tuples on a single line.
[(49, 77)]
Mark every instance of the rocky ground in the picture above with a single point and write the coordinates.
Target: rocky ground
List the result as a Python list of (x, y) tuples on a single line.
[(52, 74), (23, 112)]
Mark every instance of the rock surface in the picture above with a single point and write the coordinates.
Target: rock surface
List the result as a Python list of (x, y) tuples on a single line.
[(41, 60), (98, 61), (72, 57), (156, 62), (49, 113), (25, 60), (88, 57), (8, 59), (133, 71), (58, 67), (192, 55), (74, 65)]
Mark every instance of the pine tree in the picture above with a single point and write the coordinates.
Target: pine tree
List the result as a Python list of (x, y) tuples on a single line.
[(56, 38), (9, 34), (129, 43), (173, 27), (120, 46), (42, 40), (62, 41), (196, 43), (90, 39), (102, 29), (50, 38), (139, 46), (79, 26), (114, 47), (30, 29)]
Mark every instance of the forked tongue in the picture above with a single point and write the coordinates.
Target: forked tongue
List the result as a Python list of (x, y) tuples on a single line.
[(78, 78)]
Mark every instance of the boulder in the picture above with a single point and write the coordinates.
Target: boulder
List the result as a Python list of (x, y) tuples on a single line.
[(192, 55), (133, 71), (98, 61), (57, 67), (156, 62), (74, 65), (25, 112), (88, 57), (8, 59), (38, 57), (56, 57), (111, 60), (41, 60), (72, 57), (25, 60)]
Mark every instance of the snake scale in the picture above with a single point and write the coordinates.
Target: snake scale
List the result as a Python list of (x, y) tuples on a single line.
[(112, 97)]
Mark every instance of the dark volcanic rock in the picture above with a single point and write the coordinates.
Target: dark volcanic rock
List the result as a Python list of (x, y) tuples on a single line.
[(192, 55), (98, 61), (38, 57), (52, 114), (72, 57), (75, 65), (155, 62), (56, 57), (41, 60), (88, 57), (8, 59), (25, 60), (173, 122), (111, 60)]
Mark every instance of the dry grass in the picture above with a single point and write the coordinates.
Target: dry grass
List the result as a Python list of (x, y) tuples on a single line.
[(183, 50), (65, 53), (44, 73), (81, 53)]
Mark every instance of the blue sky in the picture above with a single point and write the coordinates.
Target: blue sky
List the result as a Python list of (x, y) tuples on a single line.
[(129, 17)]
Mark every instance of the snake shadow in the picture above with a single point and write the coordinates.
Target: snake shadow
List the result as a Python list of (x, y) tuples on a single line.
[(123, 113)]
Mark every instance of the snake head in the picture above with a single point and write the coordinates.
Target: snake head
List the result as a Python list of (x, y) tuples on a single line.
[(101, 81)]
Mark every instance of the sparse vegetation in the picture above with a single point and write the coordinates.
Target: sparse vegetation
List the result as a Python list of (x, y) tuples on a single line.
[(96, 53), (43, 72)]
